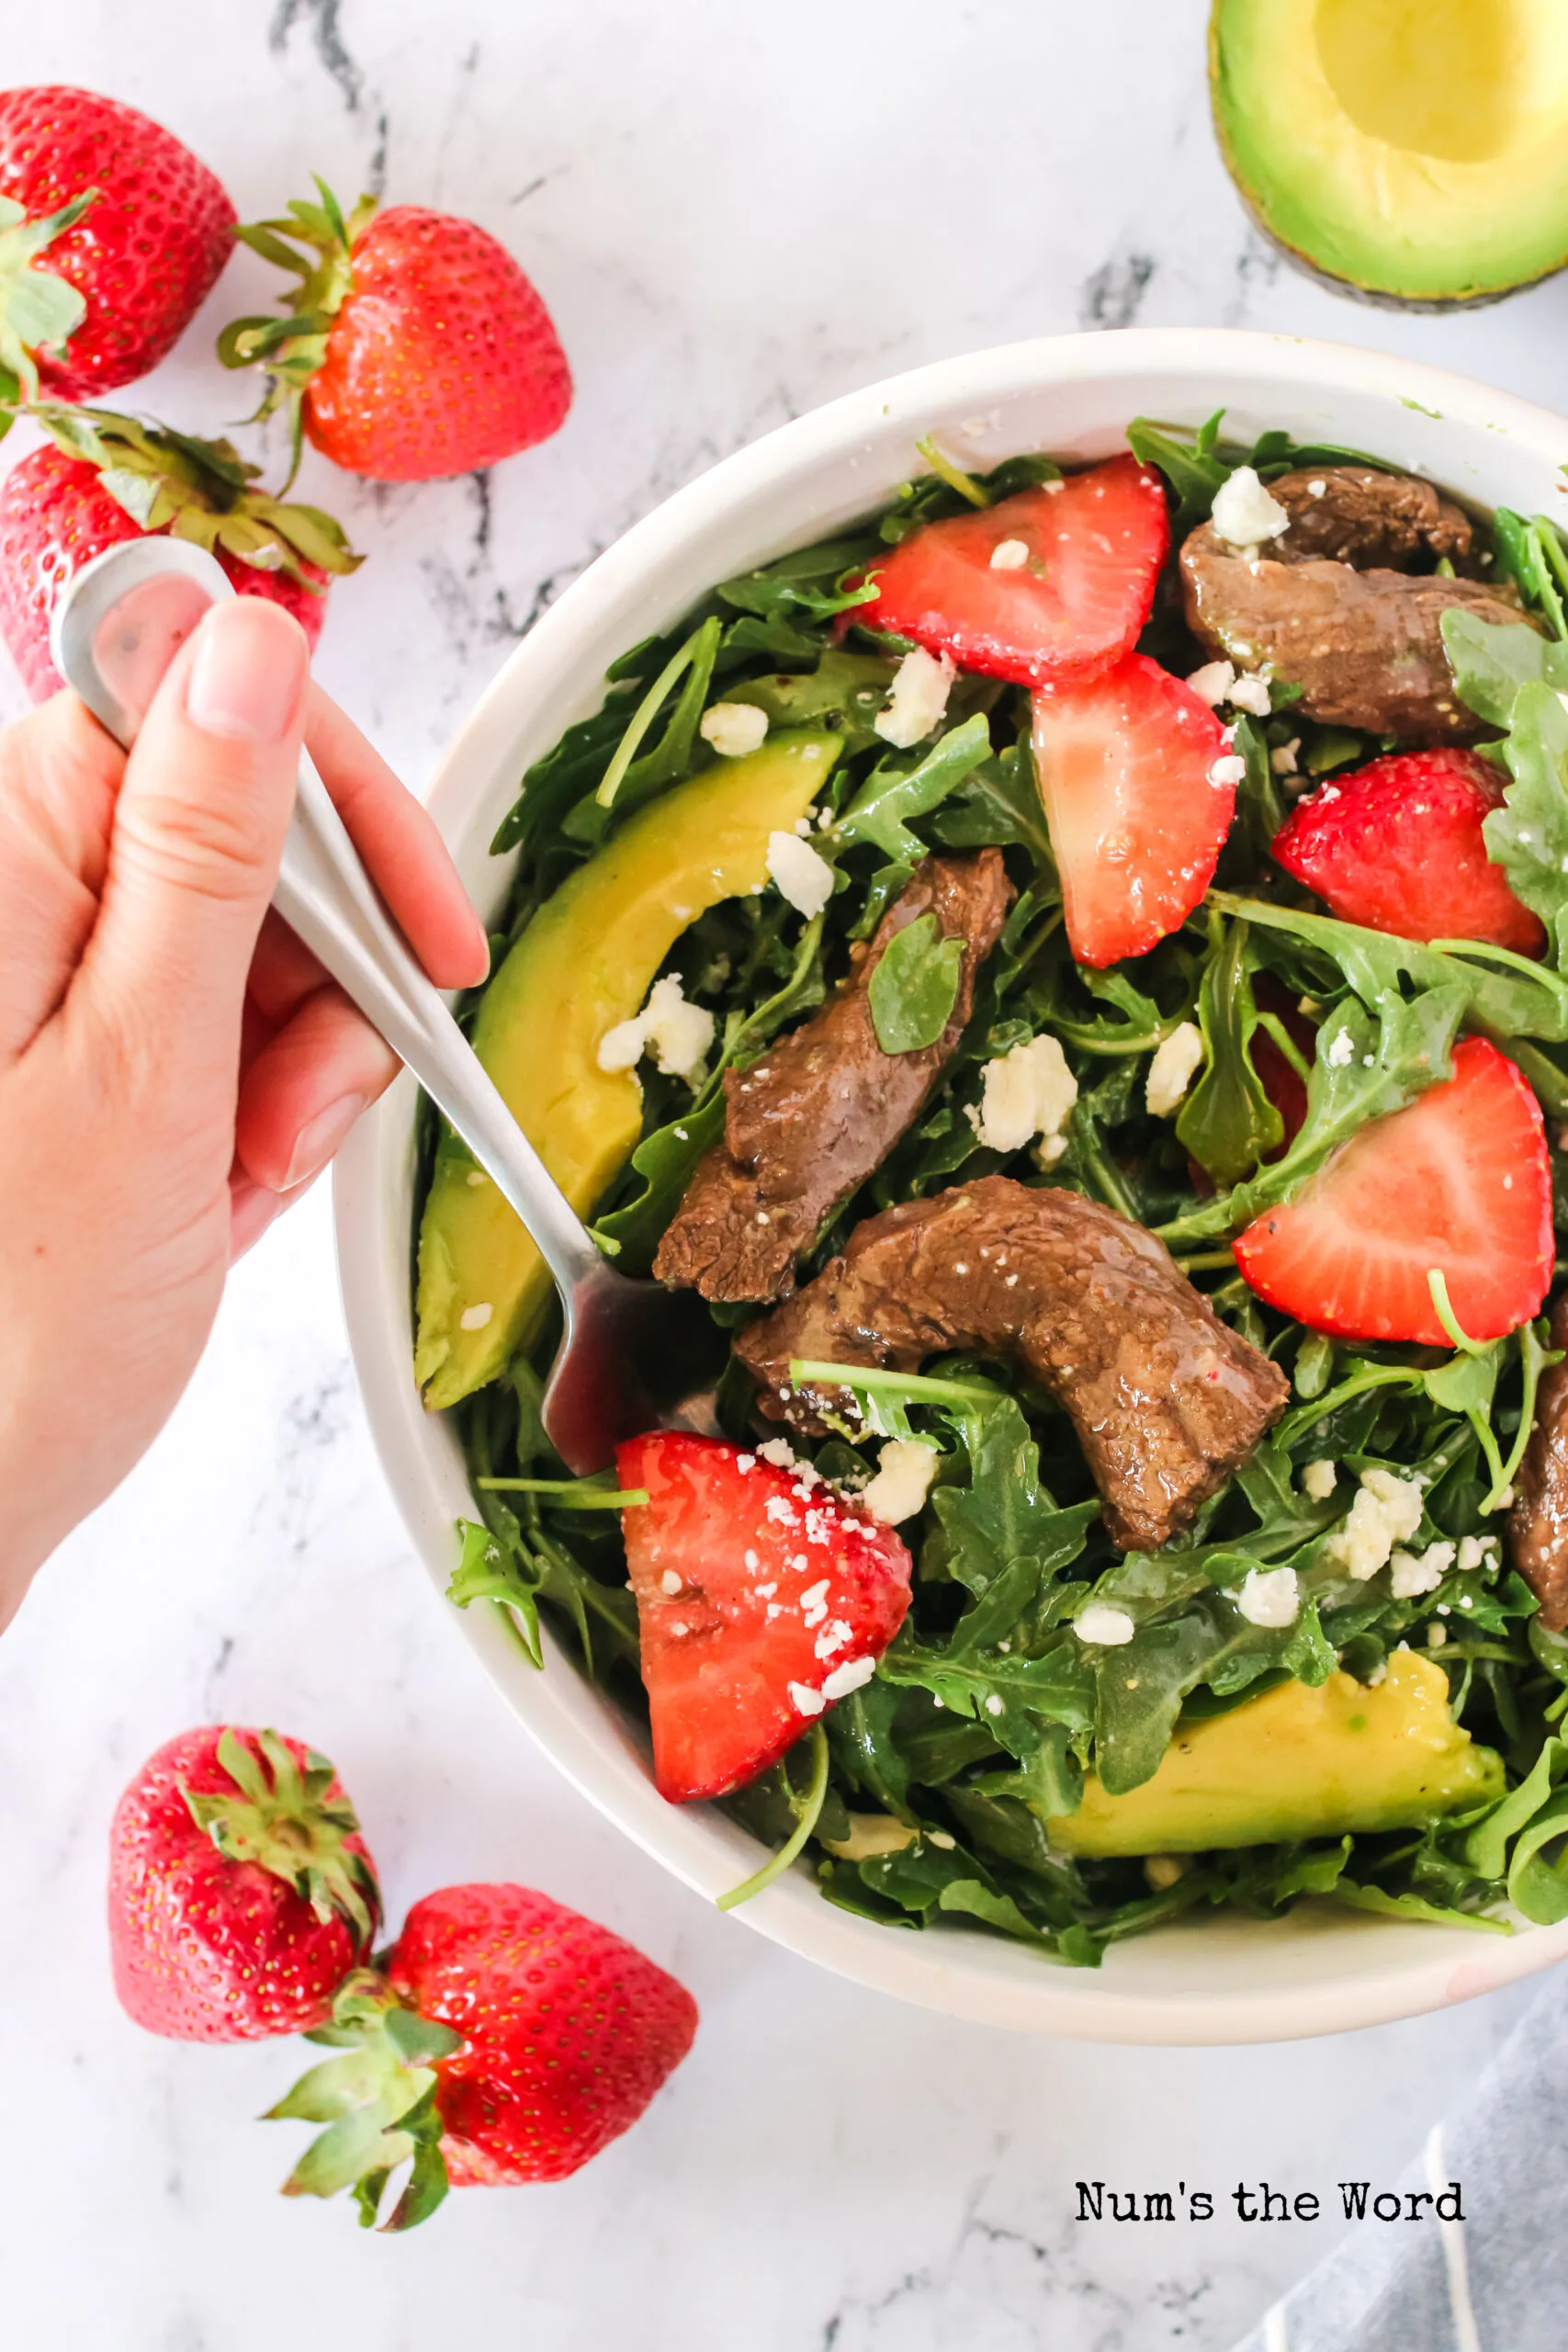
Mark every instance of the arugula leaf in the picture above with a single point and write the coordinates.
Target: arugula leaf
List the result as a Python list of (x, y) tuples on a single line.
[(1505, 995), (1364, 1070), (1228, 1122), (1527, 837), (1490, 664), (1005, 1513), (915, 986), (894, 795), (1531, 553), (1191, 465), (843, 691), (998, 804)]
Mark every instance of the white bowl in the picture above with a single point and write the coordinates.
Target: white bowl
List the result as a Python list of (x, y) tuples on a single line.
[(1215, 1979)]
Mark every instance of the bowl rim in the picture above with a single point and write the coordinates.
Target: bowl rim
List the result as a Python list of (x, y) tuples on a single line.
[(1402, 1969)]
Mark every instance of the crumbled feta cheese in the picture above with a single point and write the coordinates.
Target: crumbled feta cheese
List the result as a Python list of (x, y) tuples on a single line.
[(474, 1318), (1010, 554), (1251, 693), (676, 1034), (1176, 1062), (1316, 486), (1228, 769), (1436, 1637), (832, 1637), (477, 1176), (1341, 1050), (872, 1833), (1027, 1092), (805, 1701), (918, 700), (670, 1581), (733, 728), (1213, 682), (1269, 1596), (814, 1602), (1472, 1553), (1319, 1479), (995, 1702), (1505, 1500), (1244, 514), (779, 1451), (1282, 758), (851, 1676), (1414, 1573), (1109, 1627), (904, 1472), (1387, 1511), (799, 875)]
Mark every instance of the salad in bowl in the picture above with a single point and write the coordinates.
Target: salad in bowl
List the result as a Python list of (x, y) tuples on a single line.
[(1069, 968)]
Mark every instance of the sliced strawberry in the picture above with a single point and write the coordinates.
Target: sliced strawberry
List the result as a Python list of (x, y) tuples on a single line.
[(1134, 772), (1459, 1180), (1398, 846), (1094, 545), (762, 1597)]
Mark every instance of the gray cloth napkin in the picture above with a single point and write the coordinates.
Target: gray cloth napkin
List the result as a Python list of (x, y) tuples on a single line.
[(1492, 2281)]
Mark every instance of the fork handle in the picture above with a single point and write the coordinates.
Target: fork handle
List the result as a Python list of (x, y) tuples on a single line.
[(325, 895)]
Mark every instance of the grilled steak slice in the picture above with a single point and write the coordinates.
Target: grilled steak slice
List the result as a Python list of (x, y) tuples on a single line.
[(1164, 1398), (1537, 1524), (1333, 604), (825, 1105)]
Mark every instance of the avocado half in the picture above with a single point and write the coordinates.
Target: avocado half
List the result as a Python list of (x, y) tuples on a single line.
[(1412, 152)]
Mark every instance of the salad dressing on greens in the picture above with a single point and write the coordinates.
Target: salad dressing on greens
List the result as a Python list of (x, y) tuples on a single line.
[(1226, 1566)]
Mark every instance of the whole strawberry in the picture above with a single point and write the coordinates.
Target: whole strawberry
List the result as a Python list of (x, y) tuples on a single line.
[(104, 478), (507, 2040), (415, 348), (241, 1893), (111, 236)]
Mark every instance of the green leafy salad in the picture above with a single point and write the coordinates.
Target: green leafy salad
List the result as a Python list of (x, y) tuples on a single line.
[(1276, 973)]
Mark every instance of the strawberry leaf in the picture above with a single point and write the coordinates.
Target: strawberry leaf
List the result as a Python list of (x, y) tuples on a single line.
[(39, 311), (377, 2102)]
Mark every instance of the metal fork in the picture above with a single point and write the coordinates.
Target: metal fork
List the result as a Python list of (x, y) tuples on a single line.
[(633, 1356)]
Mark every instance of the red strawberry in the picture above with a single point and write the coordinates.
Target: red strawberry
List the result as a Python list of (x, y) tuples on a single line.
[(762, 1597), (1459, 1180), (416, 346), (128, 230), (241, 1893), (1073, 605), (1398, 846), (58, 511), (509, 2040), (1132, 768)]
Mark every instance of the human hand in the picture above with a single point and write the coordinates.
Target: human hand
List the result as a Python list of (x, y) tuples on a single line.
[(174, 1065)]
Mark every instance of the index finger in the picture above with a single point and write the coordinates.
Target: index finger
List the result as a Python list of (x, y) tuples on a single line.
[(405, 855)]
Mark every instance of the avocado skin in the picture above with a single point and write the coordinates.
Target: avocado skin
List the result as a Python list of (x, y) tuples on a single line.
[(584, 964), (1372, 282), (1297, 1763)]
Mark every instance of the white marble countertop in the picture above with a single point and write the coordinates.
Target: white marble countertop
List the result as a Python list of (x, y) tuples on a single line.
[(734, 212)]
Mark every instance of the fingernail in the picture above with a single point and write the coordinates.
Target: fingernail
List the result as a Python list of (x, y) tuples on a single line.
[(251, 1210), (320, 1137), (248, 672)]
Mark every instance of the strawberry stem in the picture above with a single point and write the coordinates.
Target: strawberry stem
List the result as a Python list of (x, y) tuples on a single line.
[(807, 1810), (285, 1821)]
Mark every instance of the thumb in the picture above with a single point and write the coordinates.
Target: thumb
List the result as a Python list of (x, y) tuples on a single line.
[(198, 832)]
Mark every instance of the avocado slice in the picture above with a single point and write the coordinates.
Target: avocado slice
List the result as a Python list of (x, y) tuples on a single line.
[(585, 963), (1413, 151), (1298, 1763)]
